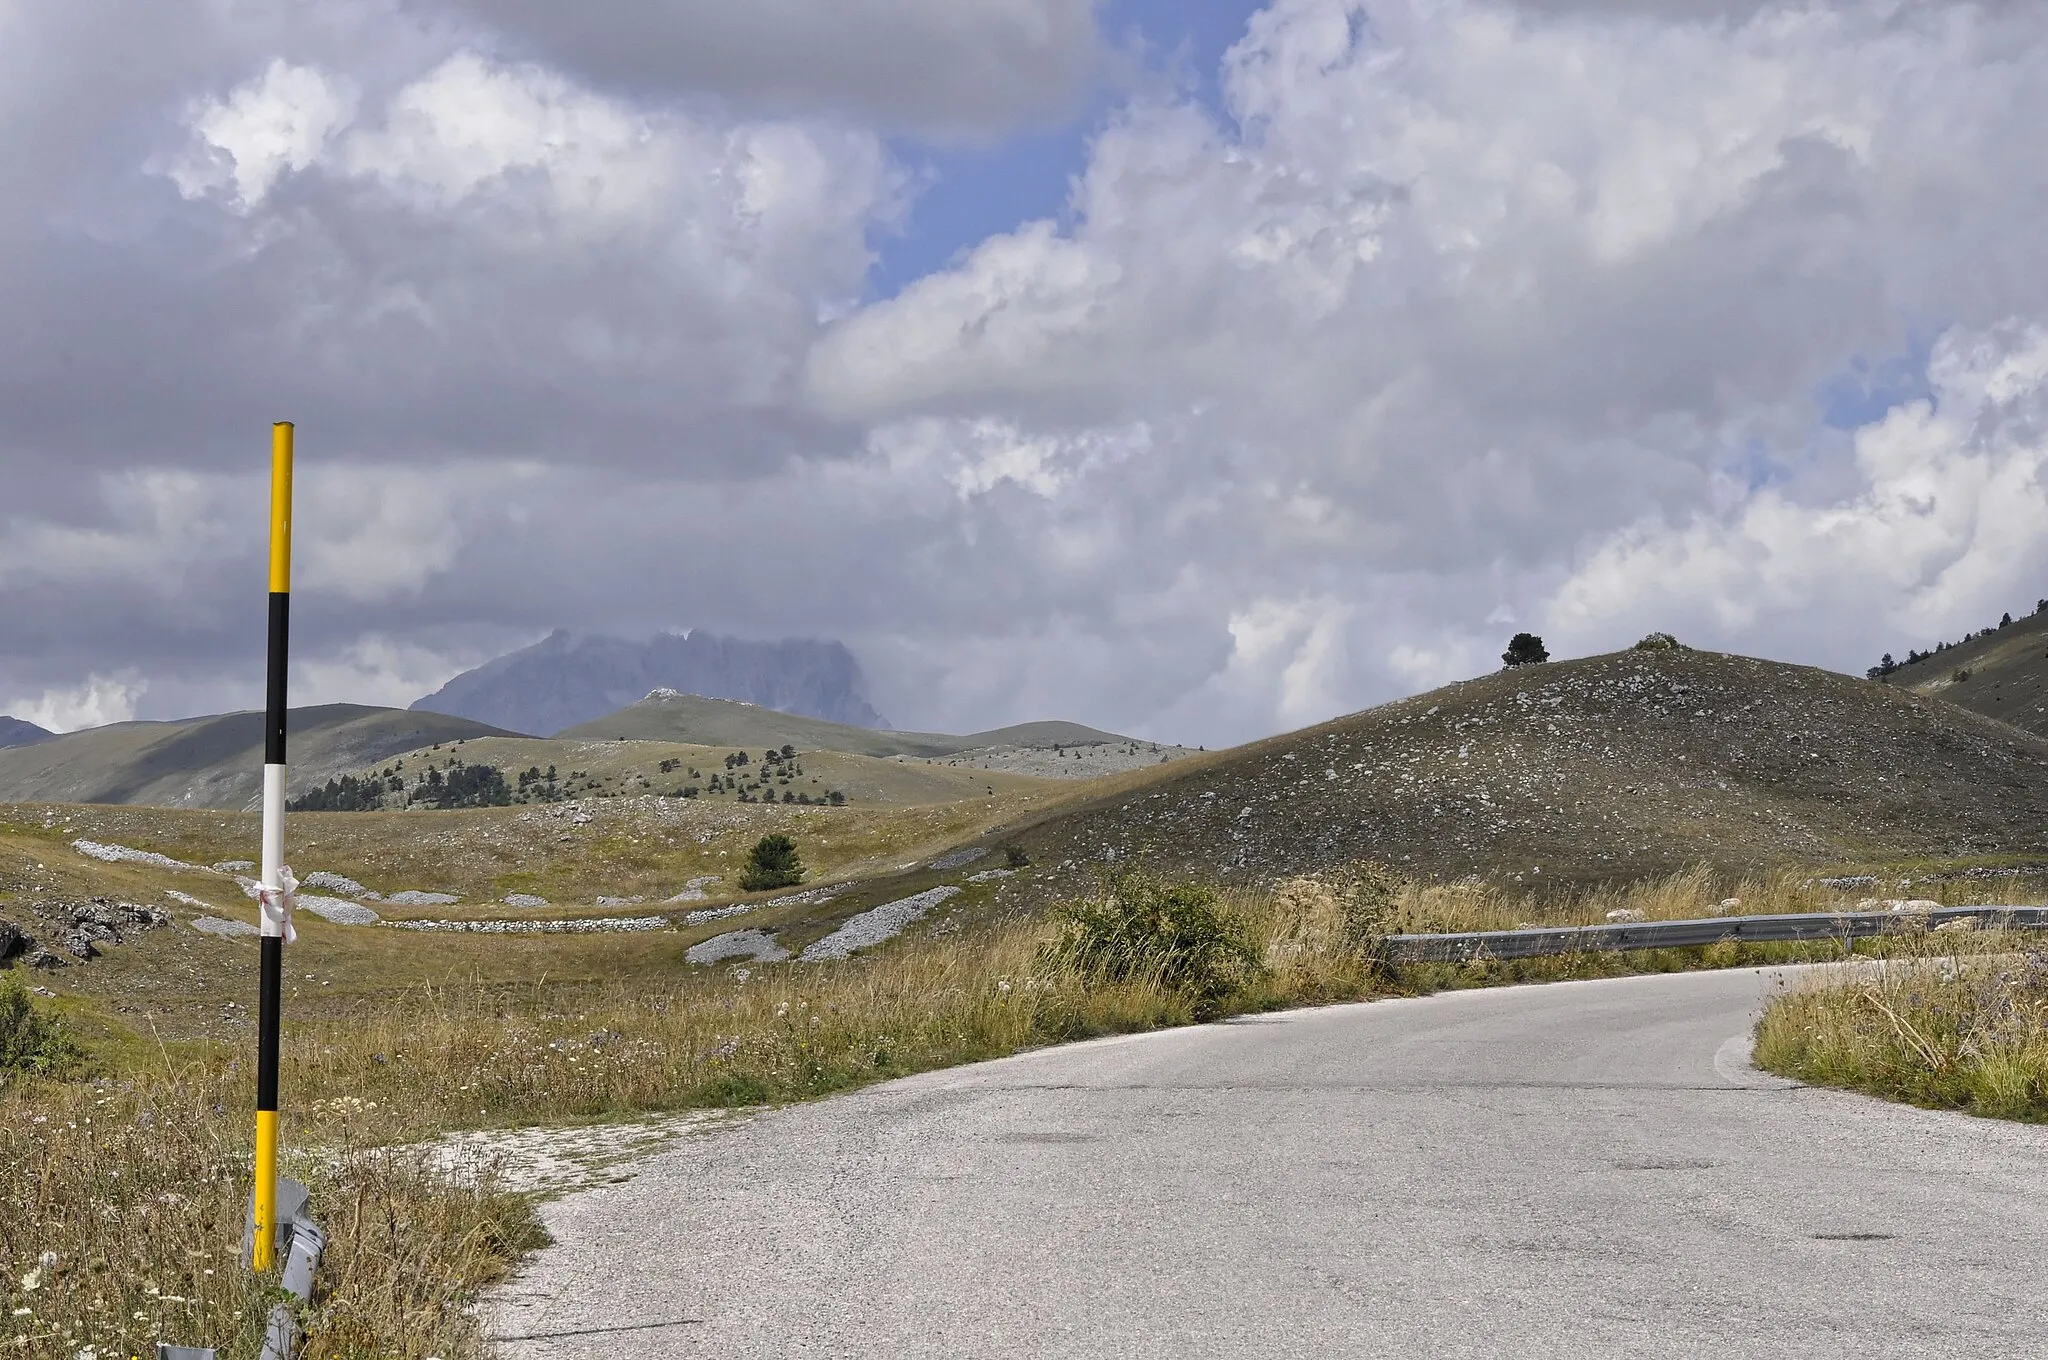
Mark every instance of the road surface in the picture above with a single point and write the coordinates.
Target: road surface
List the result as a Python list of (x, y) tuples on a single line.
[(1572, 1170)]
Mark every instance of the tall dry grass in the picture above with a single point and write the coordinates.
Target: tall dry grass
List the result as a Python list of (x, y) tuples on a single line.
[(122, 1207), (1950, 1022), (138, 1181)]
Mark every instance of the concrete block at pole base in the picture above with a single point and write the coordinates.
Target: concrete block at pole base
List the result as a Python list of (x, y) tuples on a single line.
[(281, 1334), (291, 1204), (303, 1258), (166, 1351)]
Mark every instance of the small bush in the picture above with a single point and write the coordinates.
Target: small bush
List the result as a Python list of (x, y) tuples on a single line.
[(31, 1043), (772, 863), (1661, 642), (1139, 927), (1014, 857)]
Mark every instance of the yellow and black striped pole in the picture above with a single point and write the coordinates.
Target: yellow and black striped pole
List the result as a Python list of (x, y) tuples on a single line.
[(263, 1248)]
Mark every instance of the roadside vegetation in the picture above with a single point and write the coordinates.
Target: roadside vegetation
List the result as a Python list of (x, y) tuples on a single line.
[(124, 1169), (1948, 1022)]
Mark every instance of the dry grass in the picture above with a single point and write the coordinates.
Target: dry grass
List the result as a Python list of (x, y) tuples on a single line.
[(138, 1180), (1950, 1022), (134, 1193)]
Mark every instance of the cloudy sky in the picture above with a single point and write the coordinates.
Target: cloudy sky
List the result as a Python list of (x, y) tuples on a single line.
[(1182, 366)]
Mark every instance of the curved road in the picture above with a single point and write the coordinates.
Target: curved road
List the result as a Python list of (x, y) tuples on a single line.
[(1573, 1170)]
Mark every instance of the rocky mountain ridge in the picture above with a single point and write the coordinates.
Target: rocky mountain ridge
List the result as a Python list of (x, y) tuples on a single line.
[(567, 679)]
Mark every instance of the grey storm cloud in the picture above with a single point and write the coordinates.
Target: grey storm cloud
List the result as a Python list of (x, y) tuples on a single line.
[(944, 68), (1458, 317)]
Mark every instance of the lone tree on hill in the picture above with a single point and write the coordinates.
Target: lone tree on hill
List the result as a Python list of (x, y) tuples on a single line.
[(1525, 649), (772, 863)]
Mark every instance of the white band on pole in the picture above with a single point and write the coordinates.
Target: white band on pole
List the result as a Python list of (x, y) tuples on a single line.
[(278, 888)]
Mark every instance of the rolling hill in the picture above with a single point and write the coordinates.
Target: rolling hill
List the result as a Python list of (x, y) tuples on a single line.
[(612, 769), (2001, 672), (15, 732), (214, 762), (665, 715), (1607, 767)]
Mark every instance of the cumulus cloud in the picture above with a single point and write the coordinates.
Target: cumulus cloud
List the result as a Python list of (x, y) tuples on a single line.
[(1944, 524), (277, 122), (97, 701)]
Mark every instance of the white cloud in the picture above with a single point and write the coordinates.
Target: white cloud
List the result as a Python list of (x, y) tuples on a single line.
[(1945, 524), (280, 121), (469, 124), (100, 700), (375, 669)]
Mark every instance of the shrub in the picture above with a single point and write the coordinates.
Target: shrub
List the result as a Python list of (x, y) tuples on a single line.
[(1661, 642), (1014, 856), (1525, 649), (31, 1043), (1138, 926), (772, 863)]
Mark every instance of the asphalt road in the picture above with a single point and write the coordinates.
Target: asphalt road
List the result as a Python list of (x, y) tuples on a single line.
[(1580, 1169)]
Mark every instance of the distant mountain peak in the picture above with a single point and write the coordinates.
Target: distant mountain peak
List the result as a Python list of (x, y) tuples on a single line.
[(570, 678), (18, 732)]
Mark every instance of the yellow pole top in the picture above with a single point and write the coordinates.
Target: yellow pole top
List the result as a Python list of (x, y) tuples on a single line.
[(281, 507)]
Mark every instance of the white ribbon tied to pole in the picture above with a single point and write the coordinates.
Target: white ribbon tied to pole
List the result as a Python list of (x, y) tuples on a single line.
[(277, 903)]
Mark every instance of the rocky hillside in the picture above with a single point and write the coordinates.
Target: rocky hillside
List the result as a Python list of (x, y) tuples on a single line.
[(15, 732), (566, 679), (214, 762), (1612, 766), (2002, 672)]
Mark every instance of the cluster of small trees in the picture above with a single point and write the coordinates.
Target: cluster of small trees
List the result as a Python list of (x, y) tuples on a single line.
[(464, 786), (346, 794), (1886, 665), (777, 766)]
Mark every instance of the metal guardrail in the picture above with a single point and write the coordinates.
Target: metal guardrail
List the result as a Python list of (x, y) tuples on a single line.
[(1621, 935)]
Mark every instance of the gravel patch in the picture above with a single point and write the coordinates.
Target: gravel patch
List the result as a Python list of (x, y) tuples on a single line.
[(233, 866), (227, 930), (118, 854), (620, 901), (874, 926), (958, 859), (757, 945), (412, 897), (990, 875), (339, 912), (524, 900), (187, 898), (552, 1161), (336, 883), (585, 926)]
